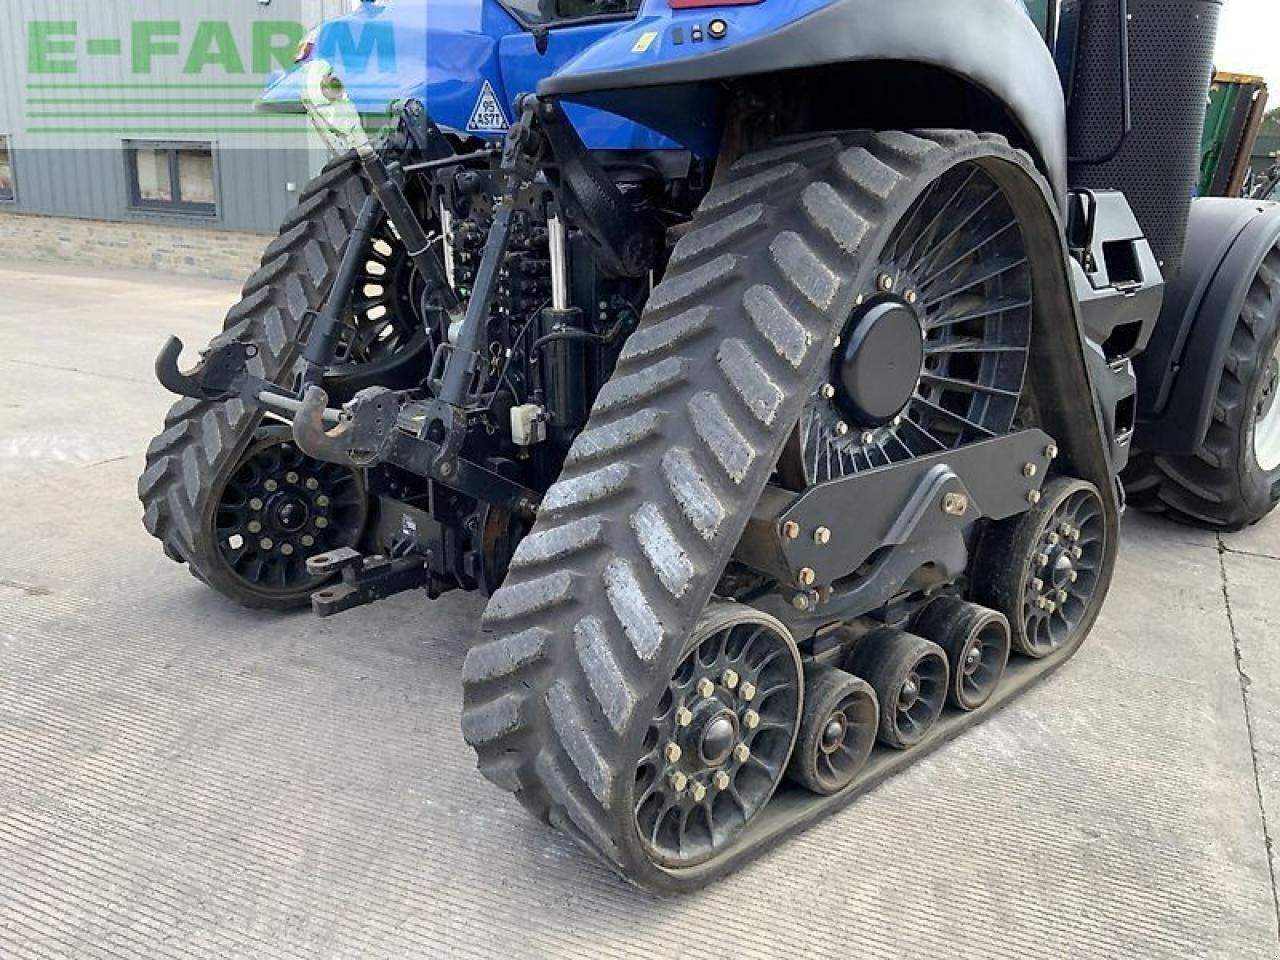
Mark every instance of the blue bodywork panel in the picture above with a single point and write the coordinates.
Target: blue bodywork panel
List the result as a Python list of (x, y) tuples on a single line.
[(467, 61)]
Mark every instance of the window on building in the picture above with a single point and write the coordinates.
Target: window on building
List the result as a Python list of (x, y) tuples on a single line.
[(174, 177), (6, 172)]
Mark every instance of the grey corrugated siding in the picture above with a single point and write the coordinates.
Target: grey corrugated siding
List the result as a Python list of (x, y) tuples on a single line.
[(83, 175)]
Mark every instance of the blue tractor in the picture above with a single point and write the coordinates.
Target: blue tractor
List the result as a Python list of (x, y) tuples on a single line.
[(770, 364)]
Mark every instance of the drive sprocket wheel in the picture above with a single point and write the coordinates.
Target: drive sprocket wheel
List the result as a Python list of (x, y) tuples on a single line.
[(204, 442), (719, 740), (595, 615), (1043, 568)]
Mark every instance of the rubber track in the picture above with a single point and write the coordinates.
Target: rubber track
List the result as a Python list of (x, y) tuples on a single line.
[(656, 491), (1205, 488), (201, 438)]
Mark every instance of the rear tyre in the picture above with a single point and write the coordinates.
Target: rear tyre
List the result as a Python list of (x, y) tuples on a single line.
[(1233, 479), (910, 677), (204, 443), (841, 715)]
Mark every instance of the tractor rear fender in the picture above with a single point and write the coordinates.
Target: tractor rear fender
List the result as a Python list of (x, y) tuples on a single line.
[(1179, 372), (653, 72)]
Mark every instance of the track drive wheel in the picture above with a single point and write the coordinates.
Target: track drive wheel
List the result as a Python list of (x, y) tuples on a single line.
[(205, 444), (837, 732), (910, 677), (976, 642), (1042, 568), (796, 249)]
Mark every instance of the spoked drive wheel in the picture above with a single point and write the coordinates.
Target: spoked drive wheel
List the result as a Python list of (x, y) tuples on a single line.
[(277, 508), (976, 642), (720, 736), (909, 676), (841, 715), (1042, 569)]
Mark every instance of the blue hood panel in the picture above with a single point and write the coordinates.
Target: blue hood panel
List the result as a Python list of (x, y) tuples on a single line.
[(467, 60)]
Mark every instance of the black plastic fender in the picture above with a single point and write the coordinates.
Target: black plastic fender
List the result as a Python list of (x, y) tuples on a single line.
[(1179, 372), (992, 44)]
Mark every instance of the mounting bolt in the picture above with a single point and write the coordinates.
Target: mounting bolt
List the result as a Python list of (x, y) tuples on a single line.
[(836, 342), (706, 688), (729, 678), (1061, 595), (1042, 602), (1051, 451), (800, 601), (321, 523), (742, 753), (255, 504), (821, 536), (868, 437), (322, 501), (1077, 553), (672, 752), (721, 780), (1037, 584), (698, 792), (1029, 470), (747, 691), (806, 576), (684, 717), (308, 540), (841, 428), (271, 486), (861, 299), (827, 391), (1042, 559), (679, 781), (255, 526), (1033, 497), (897, 421), (885, 282), (1053, 539), (312, 483), (791, 529), (911, 296), (286, 549), (955, 504), (266, 543), (291, 477), (1075, 534), (1050, 607), (751, 719)]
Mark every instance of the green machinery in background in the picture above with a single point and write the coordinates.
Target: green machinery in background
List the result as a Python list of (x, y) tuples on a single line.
[(1237, 104)]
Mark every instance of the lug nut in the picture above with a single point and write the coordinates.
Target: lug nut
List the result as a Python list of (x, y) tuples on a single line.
[(1050, 607), (1037, 584), (821, 536), (1073, 576), (684, 717), (308, 540), (721, 780), (672, 752), (266, 543), (1029, 469), (705, 687), (1053, 539), (698, 792), (827, 391), (729, 678), (321, 522), (271, 486), (1062, 596), (291, 477), (1077, 553), (747, 691), (322, 501), (742, 753), (1075, 534), (751, 719), (679, 781), (255, 526), (1042, 602), (312, 483), (255, 504), (1042, 559), (286, 549), (790, 529), (807, 576), (1033, 497)]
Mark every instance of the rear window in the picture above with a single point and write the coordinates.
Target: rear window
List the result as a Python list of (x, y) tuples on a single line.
[(545, 12)]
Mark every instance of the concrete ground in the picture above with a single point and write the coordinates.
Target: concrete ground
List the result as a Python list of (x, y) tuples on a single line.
[(182, 778)]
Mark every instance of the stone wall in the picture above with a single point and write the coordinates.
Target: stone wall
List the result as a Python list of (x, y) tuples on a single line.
[(137, 245)]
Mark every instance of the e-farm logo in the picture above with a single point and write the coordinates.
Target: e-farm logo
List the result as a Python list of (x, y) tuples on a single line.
[(175, 76)]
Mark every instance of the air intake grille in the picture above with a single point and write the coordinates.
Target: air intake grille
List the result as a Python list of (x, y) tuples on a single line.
[(1171, 46)]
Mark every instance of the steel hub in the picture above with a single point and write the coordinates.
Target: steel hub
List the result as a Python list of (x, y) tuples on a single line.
[(1063, 571), (910, 692), (718, 738), (833, 733), (1266, 425)]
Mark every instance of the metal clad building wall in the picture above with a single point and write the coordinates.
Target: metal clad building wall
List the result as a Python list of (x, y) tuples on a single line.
[(60, 169)]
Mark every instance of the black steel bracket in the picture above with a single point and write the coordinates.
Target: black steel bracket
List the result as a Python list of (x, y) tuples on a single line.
[(364, 579)]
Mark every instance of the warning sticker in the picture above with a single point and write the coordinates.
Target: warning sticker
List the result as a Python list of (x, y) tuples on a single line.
[(487, 116)]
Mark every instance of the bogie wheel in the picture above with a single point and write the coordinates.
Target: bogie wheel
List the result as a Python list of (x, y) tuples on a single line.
[(976, 642), (1232, 479), (910, 677), (720, 736), (203, 443), (1042, 569), (786, 253), (837, 732)]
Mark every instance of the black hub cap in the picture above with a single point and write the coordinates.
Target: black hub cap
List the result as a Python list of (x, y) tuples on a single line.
[(280, 507), (718, 742), (833, 733), (880, 361), (920, 697)]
